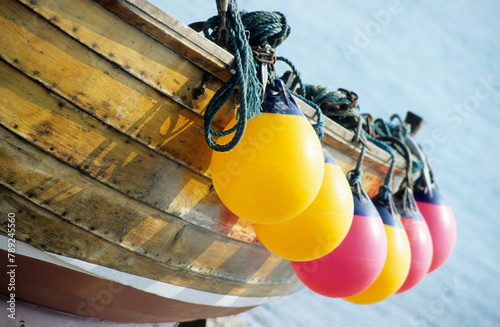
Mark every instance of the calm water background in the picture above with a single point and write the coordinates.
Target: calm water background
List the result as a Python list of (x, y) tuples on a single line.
[(442, 61)]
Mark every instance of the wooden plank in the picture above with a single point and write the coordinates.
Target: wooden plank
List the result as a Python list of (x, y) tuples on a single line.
[(346, 147), (108, 214), (48, 232), (57, 127), (125, 46), (174, 34), (93, 84), (58, 291)]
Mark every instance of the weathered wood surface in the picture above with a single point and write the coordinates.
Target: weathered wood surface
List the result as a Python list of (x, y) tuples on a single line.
[(177, 36), (152, 62), (85, 219), (95, 85), (57, 127)]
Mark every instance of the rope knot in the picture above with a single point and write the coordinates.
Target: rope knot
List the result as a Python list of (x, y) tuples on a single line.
[(384, 191), (340, 103), (266, 28), (354, 176)]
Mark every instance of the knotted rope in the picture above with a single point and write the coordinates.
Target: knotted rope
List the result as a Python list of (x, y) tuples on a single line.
[(340, 106), (354, 176), (245, 77)]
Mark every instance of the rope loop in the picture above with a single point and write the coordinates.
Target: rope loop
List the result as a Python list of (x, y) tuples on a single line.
[(385, 190), (354, 176), (407, 156), (245, 76), (247, 33), (318, 126)]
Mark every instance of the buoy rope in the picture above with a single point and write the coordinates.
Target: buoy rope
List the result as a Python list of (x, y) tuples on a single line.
[(245, 77), (354, 176), (318, 126), (393, 140), (385, 190), (340, 105), (398, 131)]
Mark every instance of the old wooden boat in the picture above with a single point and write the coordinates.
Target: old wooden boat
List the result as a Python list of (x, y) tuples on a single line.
[(105, 169)]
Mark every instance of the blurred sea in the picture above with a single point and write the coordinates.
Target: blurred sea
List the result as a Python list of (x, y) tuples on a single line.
[(440, 60)]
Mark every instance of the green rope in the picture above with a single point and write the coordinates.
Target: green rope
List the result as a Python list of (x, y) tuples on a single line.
[(340, 106), (294, 71), (335, 104), (245, 30), (407, 157), (385, 190), (263, 27), (266, 28), (318, 126), (399, 131), (354, 176)]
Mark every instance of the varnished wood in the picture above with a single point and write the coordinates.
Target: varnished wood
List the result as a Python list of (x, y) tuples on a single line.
[(143, 57), (57, 127), (335, 135), (176, 35), (93, 84), (100, 211)]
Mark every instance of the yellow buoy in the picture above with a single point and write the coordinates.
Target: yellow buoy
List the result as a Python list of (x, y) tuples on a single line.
[(320, 228), (276, 170), (397, 264)]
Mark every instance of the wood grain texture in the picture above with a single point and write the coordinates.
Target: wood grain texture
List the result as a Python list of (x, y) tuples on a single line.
[(336, 136), (176, 35), (82, 209), (154, 63), (56, 126), (93, 84)]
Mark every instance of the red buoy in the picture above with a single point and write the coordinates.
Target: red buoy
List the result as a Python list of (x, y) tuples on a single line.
[(356, 262), (418, 235), (440, 220), (397, 263)]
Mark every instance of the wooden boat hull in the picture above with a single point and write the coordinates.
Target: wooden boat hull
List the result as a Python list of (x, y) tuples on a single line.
[(104, 162)]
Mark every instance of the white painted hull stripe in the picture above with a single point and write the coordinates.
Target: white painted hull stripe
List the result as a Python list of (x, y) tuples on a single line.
[(144, 284)]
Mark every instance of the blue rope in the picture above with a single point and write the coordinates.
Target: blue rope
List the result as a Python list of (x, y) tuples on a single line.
[(294, 71), (266, 27), (322, 95), (399, 131), (249, 90)]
